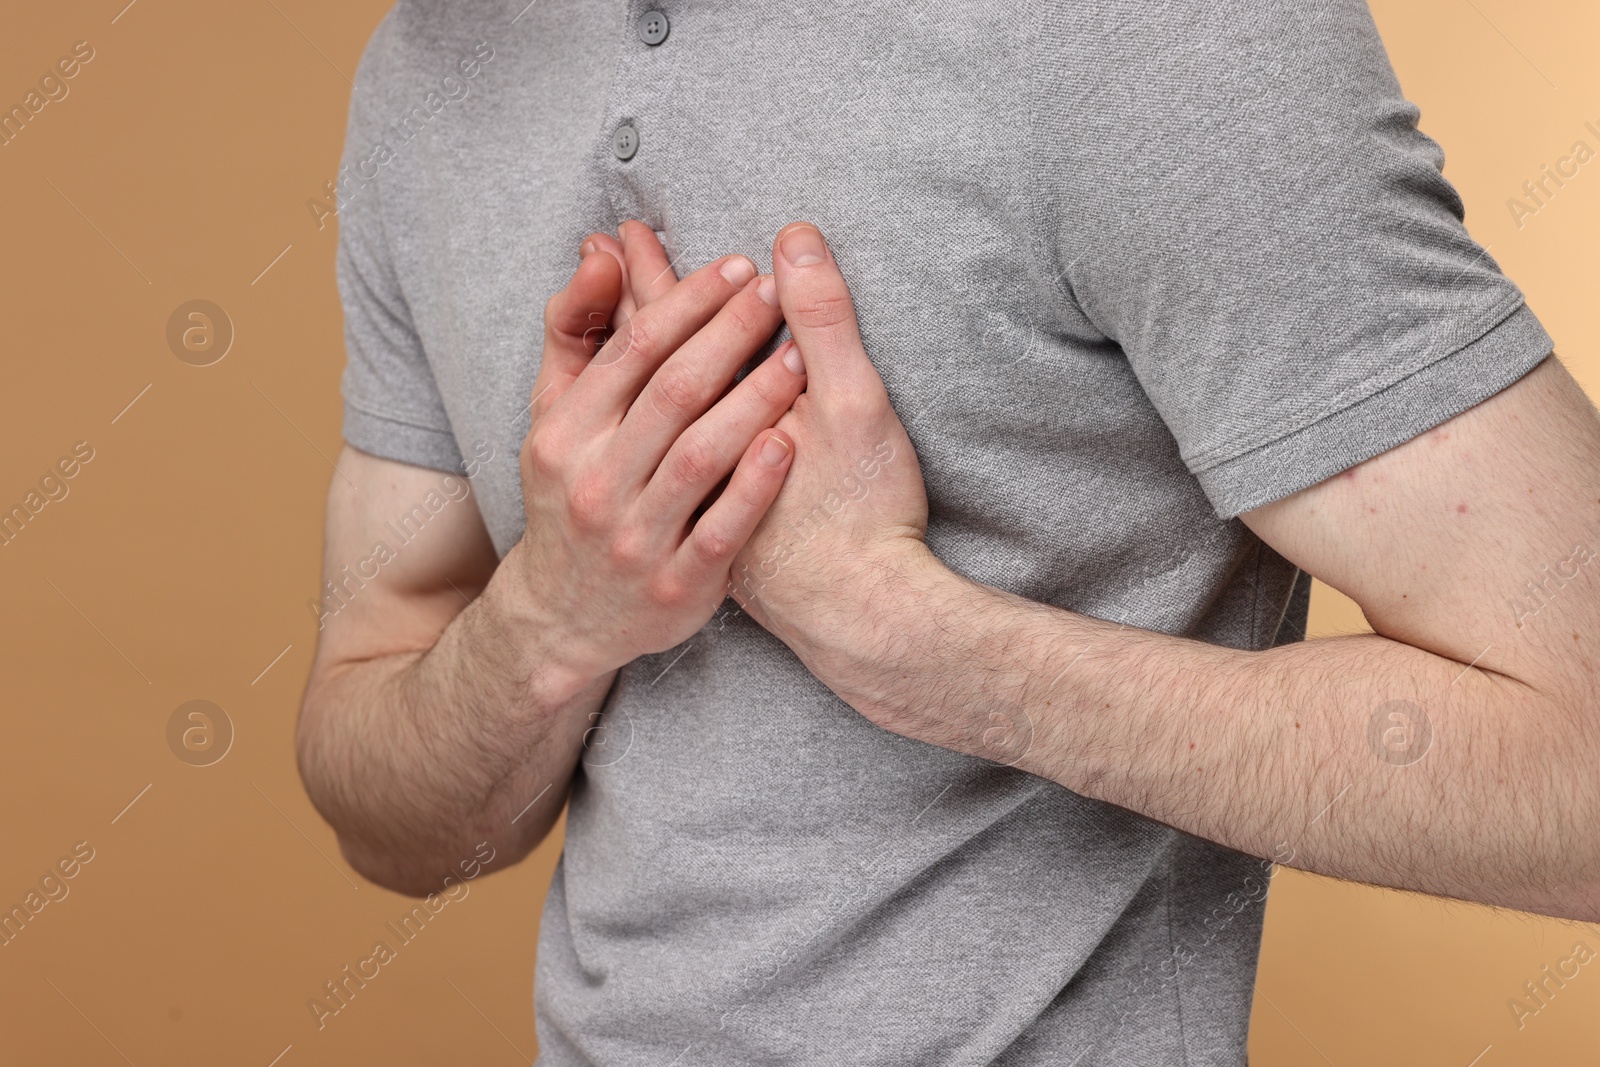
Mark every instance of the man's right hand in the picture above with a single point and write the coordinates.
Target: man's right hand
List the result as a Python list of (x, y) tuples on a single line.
[(451, 690), (628, 444)]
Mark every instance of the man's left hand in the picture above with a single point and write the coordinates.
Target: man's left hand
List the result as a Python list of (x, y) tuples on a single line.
[(828, 567)]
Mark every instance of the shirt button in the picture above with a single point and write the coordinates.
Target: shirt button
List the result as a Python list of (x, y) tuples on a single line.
[(625, 142), (653, 27)]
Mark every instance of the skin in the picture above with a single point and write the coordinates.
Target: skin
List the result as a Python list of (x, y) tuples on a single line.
[(1268, 752), (1264, 751), (449, 698)]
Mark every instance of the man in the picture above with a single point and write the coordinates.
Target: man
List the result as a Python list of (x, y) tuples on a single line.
[(1112, 324)]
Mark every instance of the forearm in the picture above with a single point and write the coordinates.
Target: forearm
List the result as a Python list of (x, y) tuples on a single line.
[(417, 757), (1267, 752)]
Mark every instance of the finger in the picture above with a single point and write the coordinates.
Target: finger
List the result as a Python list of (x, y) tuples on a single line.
[(816, 304), (574, 321), (704, 454), (612, 380), (650, 272), (692, 379), (709, 549), (604, 242)]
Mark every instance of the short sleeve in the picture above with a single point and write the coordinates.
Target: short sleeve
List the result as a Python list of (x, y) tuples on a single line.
[(1239, 197), (392, 405)]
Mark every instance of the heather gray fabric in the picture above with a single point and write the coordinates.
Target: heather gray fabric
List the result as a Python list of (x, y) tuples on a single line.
[(1128, 268)]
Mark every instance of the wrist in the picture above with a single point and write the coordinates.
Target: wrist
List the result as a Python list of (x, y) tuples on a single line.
[(555, 664), (883, 637), (941, 659)]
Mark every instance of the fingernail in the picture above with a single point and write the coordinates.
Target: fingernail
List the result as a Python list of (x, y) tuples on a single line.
[(586, 248), (803, 246), (738, 270), (767, 290), (792, 360), (774, 451)]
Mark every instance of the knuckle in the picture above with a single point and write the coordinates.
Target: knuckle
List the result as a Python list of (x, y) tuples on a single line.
[(699, 461), (821, 310), (713, 545), (670, 591), (675, 392), (588, 501), (867, 405), (628, 550), (640, 342), (859, 410), (744, 319), (769, 391), (545, 452)]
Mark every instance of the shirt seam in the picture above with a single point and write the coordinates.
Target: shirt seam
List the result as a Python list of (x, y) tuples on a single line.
[(1172, 948), (1255, 599), (369, 101), (1043, 251), (400, 420), (611, 177), (1358, 392), (391, 263)]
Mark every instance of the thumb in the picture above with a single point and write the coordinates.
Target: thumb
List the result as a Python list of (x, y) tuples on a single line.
[(575, 324), (816, 305)]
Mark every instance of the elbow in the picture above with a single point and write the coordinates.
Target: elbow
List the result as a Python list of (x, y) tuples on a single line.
[(381, 870), (411, 875), (1579, 904), (311, 751), (1583, 900), (326, 762), (321, 783), (1585, 912), (390, 832), (1570, 889), (381, 866)]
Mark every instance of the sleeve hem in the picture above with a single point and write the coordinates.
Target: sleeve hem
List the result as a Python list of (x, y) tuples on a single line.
[(405, 442), (1381, 421)]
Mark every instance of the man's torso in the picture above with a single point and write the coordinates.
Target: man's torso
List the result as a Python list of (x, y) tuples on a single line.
[(752, 872)]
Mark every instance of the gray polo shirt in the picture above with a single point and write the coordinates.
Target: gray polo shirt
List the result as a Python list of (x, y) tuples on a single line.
[(1127, 267)]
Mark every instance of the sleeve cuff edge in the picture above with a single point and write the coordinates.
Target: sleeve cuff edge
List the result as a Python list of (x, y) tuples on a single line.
[(1380, 421)]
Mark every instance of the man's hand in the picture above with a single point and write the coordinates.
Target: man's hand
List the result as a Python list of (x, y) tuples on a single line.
[(627, 444), (647, 273), (451, 691), (853, 511), (1248, 748), (1497, 812)]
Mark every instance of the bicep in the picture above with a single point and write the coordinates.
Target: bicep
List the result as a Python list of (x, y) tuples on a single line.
[(404, 552), (1474, 540)]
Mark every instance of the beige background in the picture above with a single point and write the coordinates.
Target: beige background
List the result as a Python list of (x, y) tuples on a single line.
[(178, 567)]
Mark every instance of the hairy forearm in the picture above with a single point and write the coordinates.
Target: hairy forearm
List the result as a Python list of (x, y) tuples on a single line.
[(1270, 752), (417, 757)]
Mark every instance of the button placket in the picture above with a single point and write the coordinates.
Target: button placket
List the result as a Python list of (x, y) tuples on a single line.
[(651, 25)]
